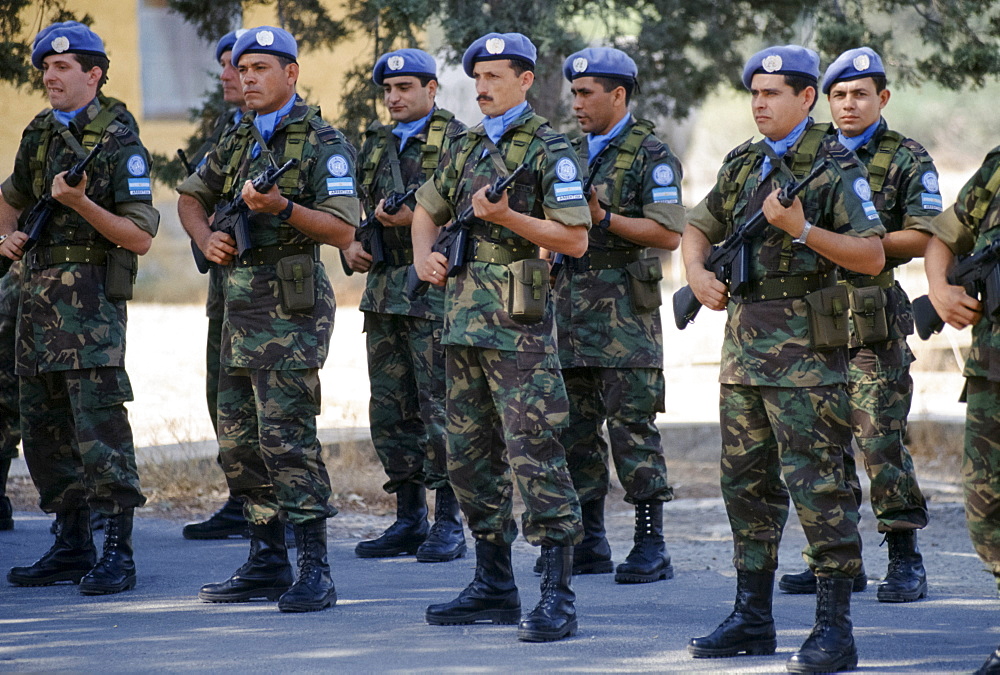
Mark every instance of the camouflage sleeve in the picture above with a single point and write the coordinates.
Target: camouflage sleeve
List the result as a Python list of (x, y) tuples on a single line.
[(16, 189), (702, 219), (848, 207), (145, 217), (334, 182), (948, 228), (919, 190), (436, 205), (661, 186), (130, 170), (195, 186), (561, 183), (957, 227), (205, 185)]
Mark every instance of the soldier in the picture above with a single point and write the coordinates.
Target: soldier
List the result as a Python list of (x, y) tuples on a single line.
[(972, 225), (10, 422), (499, 334), (75, 279), (905, 191), (227, 521), (610, 337), (279, 308), (783, 403), (405, 356)]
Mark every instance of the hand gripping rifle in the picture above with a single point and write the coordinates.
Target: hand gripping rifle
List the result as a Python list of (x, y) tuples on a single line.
[(371, 232), (730, 260), (979, 273), (200, 261), (233, 217), (453, 240), (41, 213)]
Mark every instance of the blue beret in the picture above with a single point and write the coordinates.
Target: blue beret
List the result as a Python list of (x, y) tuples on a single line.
[(67, 37), (600, 62), (227, 41), (265, 40), (786, 60), (496, 46), (852, 65), (404, 62)]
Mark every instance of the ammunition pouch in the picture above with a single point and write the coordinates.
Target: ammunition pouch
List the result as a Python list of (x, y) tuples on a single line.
[(527, 292), (122, 265), (644, 284), (296, 282), (868, 314), (828, 317)]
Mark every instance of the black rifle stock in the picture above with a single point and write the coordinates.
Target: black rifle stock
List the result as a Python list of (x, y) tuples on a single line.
[(730, 260), (233, 217), (452, 241), (371, 232), (41, 213), (979, 274)]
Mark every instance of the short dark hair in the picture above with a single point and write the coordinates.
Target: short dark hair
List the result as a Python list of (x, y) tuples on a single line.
[(89, 61), (521, 66), (284, 61), (880, 83), (798, 84), (612, 83), (425, 79)]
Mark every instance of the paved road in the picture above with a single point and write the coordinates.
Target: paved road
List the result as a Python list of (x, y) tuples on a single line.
[(378, 624)]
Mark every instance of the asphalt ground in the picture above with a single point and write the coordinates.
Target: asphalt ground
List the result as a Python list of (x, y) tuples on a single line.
[(378, 623)]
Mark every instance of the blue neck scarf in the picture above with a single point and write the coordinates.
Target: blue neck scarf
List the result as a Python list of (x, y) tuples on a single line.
[(66, 117), (237, 116), (780, 147), (404, 131), (595, 143), (495, 126), (267, 123), (856, 142)]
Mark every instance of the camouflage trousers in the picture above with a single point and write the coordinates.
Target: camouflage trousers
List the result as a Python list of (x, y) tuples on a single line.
[(268, 444), (981, 470), (78, 442), (880, 403), (503, 411), (406, 410), (628, 399), (10, 425), (799, 434)]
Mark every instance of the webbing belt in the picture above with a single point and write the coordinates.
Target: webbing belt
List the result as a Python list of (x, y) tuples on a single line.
[(270, 255), (788, 286)]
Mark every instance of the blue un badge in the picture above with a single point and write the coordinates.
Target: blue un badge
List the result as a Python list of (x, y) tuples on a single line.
[(565, 169), (862, 189), (136, 165), (663, 175), (930, 181), (337, 166)]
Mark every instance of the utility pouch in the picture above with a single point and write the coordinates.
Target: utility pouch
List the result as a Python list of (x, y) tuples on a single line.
[(991, 294), (644, 284), (121, 266), (528, 289), (828, 317), (868, 314), (295, 280)]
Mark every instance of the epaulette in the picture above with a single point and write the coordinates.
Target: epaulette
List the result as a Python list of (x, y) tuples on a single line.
[(738, 151), (373, 128), (553, 140), (324, 132), (992, 153), (122, 133), (455, 128), (841, 154), (40, 121)]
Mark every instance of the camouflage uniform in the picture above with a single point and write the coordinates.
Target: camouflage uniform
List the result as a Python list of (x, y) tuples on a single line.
[(70, 347), (963, 232), (269, 392), (405, 355), (879, 382), (612, 355), (506, 397), (10, 425), (783, 406)]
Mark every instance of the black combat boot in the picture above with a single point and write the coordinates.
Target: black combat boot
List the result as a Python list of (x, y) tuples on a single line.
[(593, 555), (115, 571), (750, 628), (6, 512), (491, 596), (227, 522), (804, 583), (72, 555), (314, 589), (407, 533), (265, 574), (992, 665), (446, 540), (906, 579), (830, 647), (648, 560), (554, 617)]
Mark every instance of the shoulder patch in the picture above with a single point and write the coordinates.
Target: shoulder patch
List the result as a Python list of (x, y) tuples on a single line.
[(840, 154), (738, 151)]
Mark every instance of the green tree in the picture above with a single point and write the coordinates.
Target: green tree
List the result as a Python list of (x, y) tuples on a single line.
[(15, 54)]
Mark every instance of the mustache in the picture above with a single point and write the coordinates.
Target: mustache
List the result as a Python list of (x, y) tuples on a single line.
[(483, 97)]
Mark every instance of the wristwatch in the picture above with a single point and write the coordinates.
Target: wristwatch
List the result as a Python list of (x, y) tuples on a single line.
[(801, 239), (286, 212), (3, 238), (606, 220)]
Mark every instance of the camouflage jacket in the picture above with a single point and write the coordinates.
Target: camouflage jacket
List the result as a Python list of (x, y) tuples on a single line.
[(767, 343), (66, 322), (594, 317), (257, 332), (909, 200), (385, 288), (476, 299), (964, 233)]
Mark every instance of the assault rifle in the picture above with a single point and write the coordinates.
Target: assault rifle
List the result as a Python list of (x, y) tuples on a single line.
[(41, 213), (233, 217), (979, 273), (371, 232), (730, 260), (453, 240), (559, 259)]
